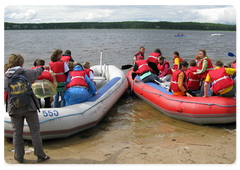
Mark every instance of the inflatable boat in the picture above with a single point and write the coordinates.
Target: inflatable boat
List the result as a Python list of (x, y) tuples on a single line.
[(179, 35), (217, 34), (197, 110), (69, 120)]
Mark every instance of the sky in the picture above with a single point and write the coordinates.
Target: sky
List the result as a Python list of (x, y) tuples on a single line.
[(224, 14)]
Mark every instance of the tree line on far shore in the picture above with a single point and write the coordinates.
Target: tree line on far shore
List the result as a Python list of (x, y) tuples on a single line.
[(120, 25)]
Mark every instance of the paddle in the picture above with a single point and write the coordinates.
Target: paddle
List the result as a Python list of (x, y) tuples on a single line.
[(231, 54), (126, 66)]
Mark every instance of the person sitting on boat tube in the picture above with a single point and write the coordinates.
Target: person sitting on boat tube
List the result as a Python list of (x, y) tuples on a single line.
[(176, 60), (142, 69), (193, 80), (141, 53), (178, 84), (223, 85), (77, 86), (165, 69), (153, 61)]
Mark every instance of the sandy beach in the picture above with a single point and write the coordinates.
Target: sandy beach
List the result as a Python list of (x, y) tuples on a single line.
[(198, 148)]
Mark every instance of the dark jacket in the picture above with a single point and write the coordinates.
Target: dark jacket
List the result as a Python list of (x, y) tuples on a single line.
[(31, 76)]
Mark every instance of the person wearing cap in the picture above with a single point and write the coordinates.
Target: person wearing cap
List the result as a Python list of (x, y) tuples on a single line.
[(142, 69), (223, 85), (165, 69)]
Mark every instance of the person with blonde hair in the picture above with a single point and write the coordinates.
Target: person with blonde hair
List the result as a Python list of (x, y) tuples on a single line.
[(21, 104)]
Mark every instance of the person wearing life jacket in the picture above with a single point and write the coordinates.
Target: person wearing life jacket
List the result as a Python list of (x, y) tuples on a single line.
[(153, 61), (46, 75), (204, 66), (223, 85), (141, 53), (78, 84), (176, 60), (88, 71), (66, 57), (60, 70), (165, 69), (178, 84), (142, 69), (193, 80)]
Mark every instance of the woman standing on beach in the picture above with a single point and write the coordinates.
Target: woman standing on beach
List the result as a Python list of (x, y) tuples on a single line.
[(21, 104)]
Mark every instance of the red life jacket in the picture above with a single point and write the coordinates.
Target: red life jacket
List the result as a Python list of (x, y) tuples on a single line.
[(153, 57), (175, 66), (142, 67), (210, 67), (87, 71), (161, 67), (139, 53), (175, 80), (220, 79), (65, 58), (45, 75), (193, 80), (77, 78), (58, 69)]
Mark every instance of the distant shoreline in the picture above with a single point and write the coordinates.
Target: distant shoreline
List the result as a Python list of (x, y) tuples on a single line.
[(162, 25)]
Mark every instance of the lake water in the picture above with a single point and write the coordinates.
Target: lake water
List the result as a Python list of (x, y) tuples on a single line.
[(130, 114), (118, 45)]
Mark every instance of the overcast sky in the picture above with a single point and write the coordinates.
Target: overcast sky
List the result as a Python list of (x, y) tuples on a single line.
[(225, 14)]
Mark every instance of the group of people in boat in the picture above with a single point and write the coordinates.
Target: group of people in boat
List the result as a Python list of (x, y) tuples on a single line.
[(201, 78), (72, 82)]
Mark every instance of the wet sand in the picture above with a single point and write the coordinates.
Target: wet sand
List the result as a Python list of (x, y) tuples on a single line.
[(133, 132)]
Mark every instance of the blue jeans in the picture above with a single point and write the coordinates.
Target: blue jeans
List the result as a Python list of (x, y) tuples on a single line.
[(152, 78), (56, 98)]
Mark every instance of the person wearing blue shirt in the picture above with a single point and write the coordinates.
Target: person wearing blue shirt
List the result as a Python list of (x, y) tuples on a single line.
[(80, 90)]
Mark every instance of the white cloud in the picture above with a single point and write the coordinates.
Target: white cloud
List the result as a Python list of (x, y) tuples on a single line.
[(30, 14), (225, 15), (108, 13), (98, 15)]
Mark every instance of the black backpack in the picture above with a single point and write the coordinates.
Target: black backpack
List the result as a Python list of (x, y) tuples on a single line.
[(20, 92)]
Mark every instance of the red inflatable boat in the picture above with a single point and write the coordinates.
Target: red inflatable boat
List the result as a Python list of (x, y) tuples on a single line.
[(198, 110)]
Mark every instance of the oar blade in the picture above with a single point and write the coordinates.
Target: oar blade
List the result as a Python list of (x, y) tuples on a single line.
[(231, 54), (126, 66)]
